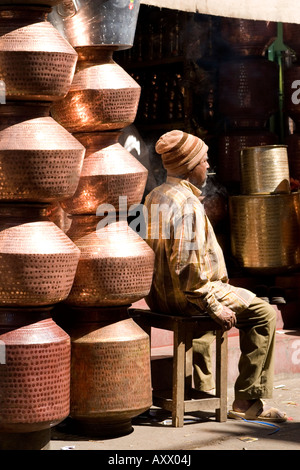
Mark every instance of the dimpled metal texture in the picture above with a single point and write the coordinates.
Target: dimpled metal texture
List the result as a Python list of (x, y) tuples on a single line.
[(115, 266), (108, 171), (39, 160), (37, 260), (110, 368), (35, 378), (102, 96), (30, 44)]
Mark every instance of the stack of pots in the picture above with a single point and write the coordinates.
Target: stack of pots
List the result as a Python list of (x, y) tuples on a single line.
[(265, 218), (292, 97), (40, 163), (248, 93), (110, 365)]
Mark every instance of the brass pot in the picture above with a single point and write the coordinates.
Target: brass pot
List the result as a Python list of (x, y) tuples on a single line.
[(265, 170), (108, 171), (35, 371), (102, 96), (37, 260), (110, 370), (265, 231), (36, 62), (115, 266), (39, 160)]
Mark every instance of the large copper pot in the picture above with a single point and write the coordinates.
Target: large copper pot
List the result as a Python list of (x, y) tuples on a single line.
[(35, 372), (110, 370), (37, 260), (97, 23), (248, 91), (265, 231), (265, 170), (115, 266), (248, 37), (109, 171), (36, 62), (102, 96), (39, 160), (292, 93)]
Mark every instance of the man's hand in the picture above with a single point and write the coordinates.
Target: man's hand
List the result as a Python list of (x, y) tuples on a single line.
[(226, 319)]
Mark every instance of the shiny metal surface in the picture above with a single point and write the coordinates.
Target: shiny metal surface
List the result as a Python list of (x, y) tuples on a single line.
[(115, 266), (102, 97), (97, 23), (265, 231), (35, 379), (109, 171), (30, 44), (37, 260), (39, 160), (265, 170)]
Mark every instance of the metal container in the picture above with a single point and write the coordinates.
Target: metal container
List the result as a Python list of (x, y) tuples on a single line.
[(97, 23), (102, 96), (110, 370), (36, 62), (39, 160), (265, 231), (37, 260), (115, 266), (109, 171), (34, 372), (264, 170)]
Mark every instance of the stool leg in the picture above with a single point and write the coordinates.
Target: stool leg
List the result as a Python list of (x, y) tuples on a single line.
[(178, 376), (188, 359), (221, 374)]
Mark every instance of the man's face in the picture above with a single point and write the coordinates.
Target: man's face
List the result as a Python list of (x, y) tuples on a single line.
[(199, 174)]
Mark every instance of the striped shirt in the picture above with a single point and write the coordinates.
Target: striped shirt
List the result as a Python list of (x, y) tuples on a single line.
[(190, 275)]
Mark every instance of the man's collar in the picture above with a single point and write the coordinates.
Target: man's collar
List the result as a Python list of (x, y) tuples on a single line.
[(174, 180)]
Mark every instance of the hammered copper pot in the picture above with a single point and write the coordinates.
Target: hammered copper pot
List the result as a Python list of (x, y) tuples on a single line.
[(248, 91), (102, 96), (36, 62), (115, 266), (37, 260), (34, 372), (110, 370), (248, 37), (109, 171), (265, 231), (39, 160)]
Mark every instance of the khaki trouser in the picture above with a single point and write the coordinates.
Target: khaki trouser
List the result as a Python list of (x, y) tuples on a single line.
[(257, 327)]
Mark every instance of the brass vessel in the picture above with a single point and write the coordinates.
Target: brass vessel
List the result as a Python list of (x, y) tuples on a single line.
[(102, 96), (265, 231), (115, 266), (109, 171), (264, 169), (39, 160), (30, 44)]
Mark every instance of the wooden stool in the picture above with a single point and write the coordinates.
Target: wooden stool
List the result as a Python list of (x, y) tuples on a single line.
[(183, 397)]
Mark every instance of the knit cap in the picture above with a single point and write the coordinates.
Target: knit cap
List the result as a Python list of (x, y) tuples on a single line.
[(180, 152)]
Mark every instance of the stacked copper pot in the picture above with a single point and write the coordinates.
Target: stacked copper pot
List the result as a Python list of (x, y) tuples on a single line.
[(40, 163), (110, 367), (248, 93)]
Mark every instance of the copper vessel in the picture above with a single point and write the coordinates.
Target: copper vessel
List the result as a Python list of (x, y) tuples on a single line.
[(265, 231), (102, 96), (109, 171), (96, 24), (248, 91), (229, 148), (265, 170), (110, 370), (28, 42), (248, 37), (292, 93), (35, 376), (39, 160), (37, 260), (115, 266)]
